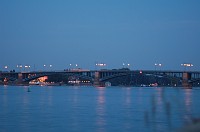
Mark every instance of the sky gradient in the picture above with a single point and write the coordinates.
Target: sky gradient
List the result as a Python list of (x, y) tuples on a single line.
[(83, 32)]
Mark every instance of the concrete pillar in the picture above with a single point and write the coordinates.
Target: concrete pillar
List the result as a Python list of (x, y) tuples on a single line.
[(186, 77), (96, 79), (20, 80)]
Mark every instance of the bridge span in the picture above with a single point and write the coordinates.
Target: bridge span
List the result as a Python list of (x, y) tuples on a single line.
[(115, 77)]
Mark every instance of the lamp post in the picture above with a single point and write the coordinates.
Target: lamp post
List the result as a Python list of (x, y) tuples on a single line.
[(157, 65), (6, 67), (100, 64), (19, 66), (128, 66), (70, 66), (27, 67), (44, 67), (185, 65), (50, 66), (123, 65)]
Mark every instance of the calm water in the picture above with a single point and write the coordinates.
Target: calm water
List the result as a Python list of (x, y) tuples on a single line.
[(92, 109)]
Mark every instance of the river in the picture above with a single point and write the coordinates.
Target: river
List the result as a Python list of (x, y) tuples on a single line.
[(91, 109)]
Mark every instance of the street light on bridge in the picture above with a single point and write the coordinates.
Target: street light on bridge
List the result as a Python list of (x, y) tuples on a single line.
[(27, 67), (19, 66), (123, 65), (100, 64), (126, 66), (185, 65), (158, 65), (6, 67)]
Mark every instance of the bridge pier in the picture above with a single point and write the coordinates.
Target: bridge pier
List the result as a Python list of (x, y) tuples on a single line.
[(96, 79), (185, 79), (20, 80)]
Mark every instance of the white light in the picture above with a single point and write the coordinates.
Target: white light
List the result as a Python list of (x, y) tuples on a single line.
[(101, 64), (158, 64), (187, 64)]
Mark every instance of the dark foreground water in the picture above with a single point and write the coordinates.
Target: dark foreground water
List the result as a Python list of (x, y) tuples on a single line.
[(112, 109)]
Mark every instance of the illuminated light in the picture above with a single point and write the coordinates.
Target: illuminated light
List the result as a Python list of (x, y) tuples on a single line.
[(140, 72), (6, 67), (159, 64), (100, 64), (44, 65), (187, 64), (50, 65)]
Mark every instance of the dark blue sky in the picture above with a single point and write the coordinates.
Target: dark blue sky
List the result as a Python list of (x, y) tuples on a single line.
[(139, 32)]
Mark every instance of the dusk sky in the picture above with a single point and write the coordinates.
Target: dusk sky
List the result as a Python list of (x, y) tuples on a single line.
[(139, 32)]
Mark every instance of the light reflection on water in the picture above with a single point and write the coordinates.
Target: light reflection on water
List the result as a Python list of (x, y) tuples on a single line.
[(100, 110), (96, 109)]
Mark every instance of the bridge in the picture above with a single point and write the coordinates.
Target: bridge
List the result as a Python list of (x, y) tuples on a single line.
[(115, 77)]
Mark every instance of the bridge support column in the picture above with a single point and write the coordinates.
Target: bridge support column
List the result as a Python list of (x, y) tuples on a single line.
[(96, 79), (186, 77), (20, 80)]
